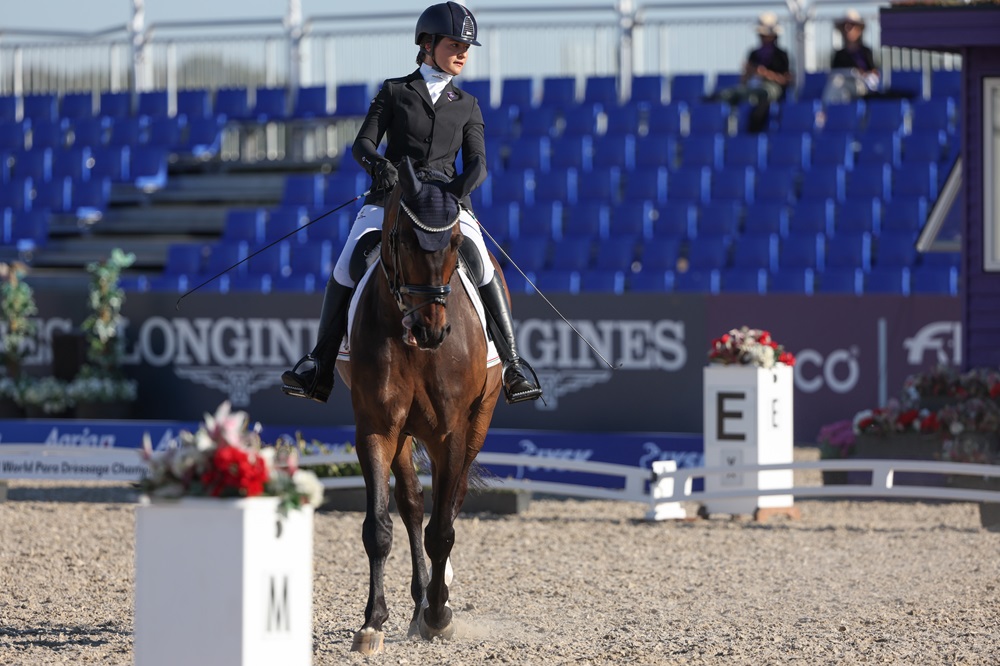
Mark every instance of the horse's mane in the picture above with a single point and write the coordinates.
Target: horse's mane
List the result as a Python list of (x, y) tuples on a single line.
[(425, 174)]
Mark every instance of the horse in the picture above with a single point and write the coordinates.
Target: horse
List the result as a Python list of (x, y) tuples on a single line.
[(417, 371)]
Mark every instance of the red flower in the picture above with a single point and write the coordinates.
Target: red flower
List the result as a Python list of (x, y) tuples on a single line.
[(905, 420), (787, 358), (930, 423), (233, 473)]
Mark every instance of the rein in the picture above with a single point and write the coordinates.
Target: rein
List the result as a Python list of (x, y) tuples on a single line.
[(435, 294)]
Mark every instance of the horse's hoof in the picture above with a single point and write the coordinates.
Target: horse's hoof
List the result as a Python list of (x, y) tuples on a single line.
[(414, 629), (428, 632), (368, 641)]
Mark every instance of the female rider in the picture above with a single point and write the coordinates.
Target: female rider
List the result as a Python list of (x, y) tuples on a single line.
[(428, 119)]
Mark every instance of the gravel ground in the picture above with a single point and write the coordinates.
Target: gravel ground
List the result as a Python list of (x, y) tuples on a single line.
[(567, 582)]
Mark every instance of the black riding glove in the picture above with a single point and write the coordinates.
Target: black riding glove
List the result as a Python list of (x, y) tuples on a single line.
[(384, 176)]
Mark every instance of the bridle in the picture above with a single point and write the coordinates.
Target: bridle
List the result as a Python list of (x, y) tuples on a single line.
[(434, 294)]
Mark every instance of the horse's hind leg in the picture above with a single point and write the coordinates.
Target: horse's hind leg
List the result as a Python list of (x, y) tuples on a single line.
[(374, 454), (410, 503)]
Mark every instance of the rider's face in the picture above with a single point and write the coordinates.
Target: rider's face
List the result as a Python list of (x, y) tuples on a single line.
[(451, 56)]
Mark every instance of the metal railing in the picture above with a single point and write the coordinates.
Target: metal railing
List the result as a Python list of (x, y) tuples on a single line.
[(599, 39)]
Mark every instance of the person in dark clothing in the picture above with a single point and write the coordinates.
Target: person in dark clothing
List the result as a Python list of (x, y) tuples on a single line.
[(855, 54), (425, 117), (766, 75)]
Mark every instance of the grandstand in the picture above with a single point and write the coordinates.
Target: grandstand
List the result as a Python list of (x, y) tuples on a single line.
[(590, 188)]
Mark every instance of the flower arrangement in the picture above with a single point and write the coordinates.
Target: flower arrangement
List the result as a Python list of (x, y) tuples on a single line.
[(893, 418), (17, 303), (47, 394), (101, 379), (748, 346), (944, 384), (225, 458), (836, 440), (300, 447)]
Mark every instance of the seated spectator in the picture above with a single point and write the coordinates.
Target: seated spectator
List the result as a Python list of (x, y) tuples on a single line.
[(766, 74), (854, 73)]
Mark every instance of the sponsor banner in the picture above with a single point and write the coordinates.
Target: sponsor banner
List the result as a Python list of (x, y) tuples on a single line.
[(64, 449), (608, 363)]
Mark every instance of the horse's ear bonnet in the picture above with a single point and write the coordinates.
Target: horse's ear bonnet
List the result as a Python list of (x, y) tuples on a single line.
[(436, 212)]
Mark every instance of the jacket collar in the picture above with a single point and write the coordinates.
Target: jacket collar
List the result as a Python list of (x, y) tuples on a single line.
[(417, 83)]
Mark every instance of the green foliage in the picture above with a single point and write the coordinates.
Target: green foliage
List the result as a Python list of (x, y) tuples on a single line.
[(17, 304), (301, 447)]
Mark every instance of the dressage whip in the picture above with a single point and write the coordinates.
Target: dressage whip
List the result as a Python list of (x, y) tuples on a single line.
[(545, 298), (269, 245)]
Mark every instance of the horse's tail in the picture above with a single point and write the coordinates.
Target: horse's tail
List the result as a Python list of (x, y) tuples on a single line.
[(480, 478)]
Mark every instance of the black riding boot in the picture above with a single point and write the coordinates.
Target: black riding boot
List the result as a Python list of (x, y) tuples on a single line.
[(317, 382), (519, 380)]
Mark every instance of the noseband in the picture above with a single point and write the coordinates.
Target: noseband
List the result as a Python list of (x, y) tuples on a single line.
[(434, 294)]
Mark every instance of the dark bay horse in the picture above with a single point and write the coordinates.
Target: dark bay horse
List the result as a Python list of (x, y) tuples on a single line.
[(417, 370)]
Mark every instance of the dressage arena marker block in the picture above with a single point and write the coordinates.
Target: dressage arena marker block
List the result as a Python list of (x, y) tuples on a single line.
[(223, 582), (748, 420)]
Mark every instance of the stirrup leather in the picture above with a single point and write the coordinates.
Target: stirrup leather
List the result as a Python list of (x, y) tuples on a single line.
[(517, 387), (306, 386)]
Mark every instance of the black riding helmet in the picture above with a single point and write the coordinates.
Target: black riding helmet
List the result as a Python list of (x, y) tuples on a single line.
[(448, 19)]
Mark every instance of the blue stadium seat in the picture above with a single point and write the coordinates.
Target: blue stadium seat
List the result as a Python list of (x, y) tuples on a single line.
[(531, 254), (89, 199), (297, 283), (517, 92), (790, 151), (850, 250), (556, 186), (905, 214), (915, 179), (906, 82), (888, 280), (558, 92), (244, 224), (13, 135), (660, 254), (777, 185), (596, 280), (697, 281), (17, 194), (895, 250), (274, 261), (539, 122), (499, 122), (153, 103), (733, 184), (148, 168), (184, 258), (632, 217), (879, 147), (824, 182), (869, 180), (32, 164), (946, 83), (934, 114), (833, 149), (500, 222), (351, 100), (203, 138), (803, 250), (517, 283), (667, 119), (689, 184), (330, 227), (517, 186), (648, 90), (127, 131), (581, 119), (813, 216), (573, 254), (341, 187), (542, 220), (311, 102), (941, 259), (166, 131), (675, 220), (111, 162), (75, 106), (655, 151), (586, 220), (844, 118), (792, 281), (614, 151), (743, 280), (812, 88), (91, 131), (688, 88), (859, 214), (8, 109), (72, 163), (29, 229), (250, 283), (558, 280), (798, 117), (313, 258), (719, 218), (116, 104), (703, 150), (194, 103), (651, 281), (746, 150), (622, 120), (615, 254), (601, 90), (48, 134), (709, 118), (934, 280), (44, 106), (725, 80), (52, 195), (270, 104), (600, 185), (757, 251), (646, 185), (766, 218), (887, 115), (566, 152), (924, 146), (232, 103), (284, 222), (840, 281), (480, 89), (708, 252)]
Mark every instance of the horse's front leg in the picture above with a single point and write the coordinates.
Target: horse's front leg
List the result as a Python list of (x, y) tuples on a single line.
[(439, 538), (375, 454), (410, 503)]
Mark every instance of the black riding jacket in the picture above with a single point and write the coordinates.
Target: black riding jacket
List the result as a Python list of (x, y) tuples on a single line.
[(426, 132)]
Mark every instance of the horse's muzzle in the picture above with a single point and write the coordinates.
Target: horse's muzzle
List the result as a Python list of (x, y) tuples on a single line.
[(429, 337)]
